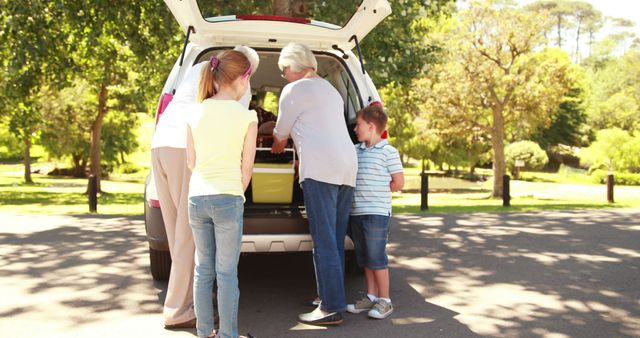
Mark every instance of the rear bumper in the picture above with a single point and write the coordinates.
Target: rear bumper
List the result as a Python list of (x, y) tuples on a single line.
[(266, 228), (282, 243)]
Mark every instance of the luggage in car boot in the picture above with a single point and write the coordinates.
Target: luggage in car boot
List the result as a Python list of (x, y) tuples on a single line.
[(273, 175)]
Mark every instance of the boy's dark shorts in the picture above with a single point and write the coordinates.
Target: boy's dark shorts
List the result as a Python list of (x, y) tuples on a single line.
[(370, 234)]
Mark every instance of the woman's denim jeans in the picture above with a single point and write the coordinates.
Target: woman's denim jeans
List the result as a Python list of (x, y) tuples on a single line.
[(216, 222), (328, 206)]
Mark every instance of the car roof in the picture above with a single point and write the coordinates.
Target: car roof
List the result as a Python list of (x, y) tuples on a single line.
[(276, 31)]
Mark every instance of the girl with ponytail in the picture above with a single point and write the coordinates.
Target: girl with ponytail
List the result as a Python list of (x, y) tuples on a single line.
[(221, 147)]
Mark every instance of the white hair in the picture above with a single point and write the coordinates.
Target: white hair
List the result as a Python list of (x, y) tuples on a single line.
[(298, 57), (251, 55)]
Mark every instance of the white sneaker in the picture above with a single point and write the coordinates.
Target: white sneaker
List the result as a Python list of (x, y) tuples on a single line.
[(364, 304), (381, 309)]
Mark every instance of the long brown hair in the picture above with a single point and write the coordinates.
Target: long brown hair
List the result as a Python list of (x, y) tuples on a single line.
[(221, 71)]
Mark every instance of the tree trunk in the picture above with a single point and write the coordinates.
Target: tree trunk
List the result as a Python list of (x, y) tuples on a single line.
[(282, 7), (497, 142), (96, 135), (559, 27), (79, 166), (577, 56), (27, 158)]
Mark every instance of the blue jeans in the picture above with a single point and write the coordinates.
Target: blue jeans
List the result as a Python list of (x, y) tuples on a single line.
[(370, 234), (328, 206), (216, 222)]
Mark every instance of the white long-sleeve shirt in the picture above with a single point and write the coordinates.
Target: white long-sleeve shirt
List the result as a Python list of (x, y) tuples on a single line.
[(311, 113)]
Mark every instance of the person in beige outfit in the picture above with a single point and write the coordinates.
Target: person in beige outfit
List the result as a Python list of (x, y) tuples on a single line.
[(171, 175), (169, 161)]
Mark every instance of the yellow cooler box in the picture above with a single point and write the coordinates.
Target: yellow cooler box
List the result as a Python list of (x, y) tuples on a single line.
[(273, 182)]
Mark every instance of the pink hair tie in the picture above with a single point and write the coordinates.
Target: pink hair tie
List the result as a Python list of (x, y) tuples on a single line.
[(214, 63)]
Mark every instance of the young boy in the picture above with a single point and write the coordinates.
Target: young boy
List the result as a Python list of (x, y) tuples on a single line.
[(379, 173)]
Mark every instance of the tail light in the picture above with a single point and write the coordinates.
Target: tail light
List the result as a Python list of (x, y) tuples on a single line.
[(164, 102)]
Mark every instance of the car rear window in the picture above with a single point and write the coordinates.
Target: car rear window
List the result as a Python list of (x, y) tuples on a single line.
[(333, 12)]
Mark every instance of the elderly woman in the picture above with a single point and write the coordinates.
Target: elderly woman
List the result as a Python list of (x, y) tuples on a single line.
[(311, 113)]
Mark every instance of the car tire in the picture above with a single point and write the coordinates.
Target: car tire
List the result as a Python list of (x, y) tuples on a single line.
[(160, 264)]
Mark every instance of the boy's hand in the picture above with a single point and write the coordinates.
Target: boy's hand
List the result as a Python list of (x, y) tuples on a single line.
[(397, 181)]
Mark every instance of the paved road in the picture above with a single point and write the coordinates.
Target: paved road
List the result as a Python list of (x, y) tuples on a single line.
[(547, 274)]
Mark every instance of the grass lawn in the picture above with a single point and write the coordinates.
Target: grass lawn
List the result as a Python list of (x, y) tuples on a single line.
[(541, 191), (122, 195)]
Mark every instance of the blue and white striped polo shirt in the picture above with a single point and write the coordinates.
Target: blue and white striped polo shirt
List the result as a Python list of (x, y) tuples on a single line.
[(375, 165)]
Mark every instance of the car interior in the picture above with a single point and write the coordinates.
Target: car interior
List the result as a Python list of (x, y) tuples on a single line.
[(266, 85)]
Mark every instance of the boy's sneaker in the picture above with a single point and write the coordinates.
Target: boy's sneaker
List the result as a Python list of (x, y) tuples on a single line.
[(364, 304), (381, 309)]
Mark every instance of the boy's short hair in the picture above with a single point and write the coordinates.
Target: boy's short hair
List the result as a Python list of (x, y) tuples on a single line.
[(374, 114)]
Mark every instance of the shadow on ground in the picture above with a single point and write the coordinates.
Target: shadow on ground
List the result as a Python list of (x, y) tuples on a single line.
[(572, 274), (74, 268), (566, 274)]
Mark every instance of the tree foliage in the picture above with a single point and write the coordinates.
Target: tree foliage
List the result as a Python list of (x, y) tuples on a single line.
[(568, 124), (30, 59), (571, 19), (394, 52), (494, 83), (528, 152), (614, 149), (615, 102), (123, 53), (67, 119)]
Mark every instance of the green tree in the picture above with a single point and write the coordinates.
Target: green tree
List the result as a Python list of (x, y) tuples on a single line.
[(529, 152), (66, 130), (614, 149), (561, 12), (401, 109), (397, 51), (10, 145), (451, 140), (586, 17), (394, 52), (123, 52), (66, 123), (494, 80), (615, 99), (33, 54), (119, 137), (568, 125)]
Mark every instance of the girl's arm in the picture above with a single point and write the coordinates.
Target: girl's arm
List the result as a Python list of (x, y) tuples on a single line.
[(397, 181), (191, 151), (249, 154)]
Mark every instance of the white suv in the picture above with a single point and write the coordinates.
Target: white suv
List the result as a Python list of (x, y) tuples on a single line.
[(269, 227)]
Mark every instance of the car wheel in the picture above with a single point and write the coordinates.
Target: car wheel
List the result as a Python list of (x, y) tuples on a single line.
[(160, 264)]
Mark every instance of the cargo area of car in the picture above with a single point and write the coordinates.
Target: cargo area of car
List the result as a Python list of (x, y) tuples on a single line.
[(263, 216)]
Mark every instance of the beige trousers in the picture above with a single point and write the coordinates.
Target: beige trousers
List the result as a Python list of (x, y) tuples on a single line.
[(172, 183)]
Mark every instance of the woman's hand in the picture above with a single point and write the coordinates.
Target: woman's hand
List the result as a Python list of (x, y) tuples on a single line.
[(278, 145)]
